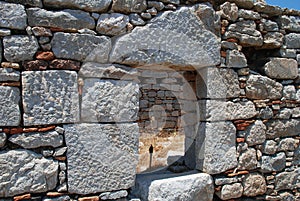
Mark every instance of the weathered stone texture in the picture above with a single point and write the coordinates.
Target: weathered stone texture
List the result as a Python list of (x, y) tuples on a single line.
[(270, 147), (128, 6), (38, 139), (273, 40), (35, 3), (9, 74), (3, 139), (230, 191), (113, 195), (235, 59), (107, 158), (282, 128), (50, 97), (87, 5), (182, 44), (287, 180), (215, 147), (292, 40), (261, 87), (247, 160), (81, 47), (64, 20), (290, 23), (267, 9), (254, 184), (109, 101), (248, 4), (26, 172), (12, 16), (273, 163), (249, 14), (19, 48), (112, 24), (281, 68), (10, 114), (256, 134), (229, 11), (217, 83)]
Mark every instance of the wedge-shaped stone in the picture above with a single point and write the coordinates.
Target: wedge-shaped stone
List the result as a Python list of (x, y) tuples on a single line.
[(50, 97), (281, 68), (12, 16), (26, 172), (87, 5), (10, 114), (81, 47), (64, 20), (169, 40), (215, 147), (38, 139), (107, 158), (109, 101)]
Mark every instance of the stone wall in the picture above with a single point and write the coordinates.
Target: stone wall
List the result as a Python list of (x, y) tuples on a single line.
[(82, 81)]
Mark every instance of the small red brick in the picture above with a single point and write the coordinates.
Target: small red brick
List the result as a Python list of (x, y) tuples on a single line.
[(16, 131), (48, 56), (22, 197), (92, 198), (46, 129)]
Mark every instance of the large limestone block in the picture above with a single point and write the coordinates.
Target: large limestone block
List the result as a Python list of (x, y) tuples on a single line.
[(261, 87), (287, 180), (19, 48), (50, 97), (24, 171), (10, 114), (81, 47), (101, 157), (169, 40), (37, 139), (218, 83), (87, 5), (129, 6), (282, 128), (109, 101), (281, 68), (65, 20), (292, 40), (215, 147), (190, 186), (12, 16)]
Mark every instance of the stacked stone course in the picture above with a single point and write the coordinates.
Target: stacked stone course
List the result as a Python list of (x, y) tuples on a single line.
[(78, 79)]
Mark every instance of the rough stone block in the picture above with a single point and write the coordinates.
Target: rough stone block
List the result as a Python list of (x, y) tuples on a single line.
[(38, 139), (230, 191), (170, 187), (196, 42), (217, 83), (107, 158), (3, 139), (215, 147), (292, 40), (112, 24), (273, 40), (235, 59), (10, 114), (12, 16), (34, 3), (50, 97), (109, 101), (247, 160), (256, 133), (261, 87), (9, 74), (262, 7), (254, 184), (26, 172), (129, 6), (281, 68), (290, 23), (19, 48), (87, 5), (229, 11), (282, 128), (248, 4), (64, 20), (81, 47), (273, 163), (287, 180)]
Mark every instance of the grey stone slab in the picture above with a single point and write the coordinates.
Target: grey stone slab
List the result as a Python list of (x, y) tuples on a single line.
[(166, 186), (270, 10), (268, 25), (37, 139), (12, 16), (10, 114), (5, 32), (292, 40), (19, 47), (282, 128), (81, 47), (248, 4), (50, 97), (235, 59), (129, 6), (261, 87), (109, 101), (273, 163), (65, 19), (113, 195), (256, 133), (281, 68), (215, 147), (287, 180), (107, 158), (9, 74), (230, 191), (87, 5), (182, 44), (112, 24), (249, 14), (26, 172), (217, 83)]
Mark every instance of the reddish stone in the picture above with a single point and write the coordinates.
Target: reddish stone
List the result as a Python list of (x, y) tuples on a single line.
[(11, 84), (239, 121), (29, 130), (61, 158), (6, 131), (10, 65), (41, 31), (241, 128), (16, 131), (92, 198), (239, 140), (55, 29), (276, 102), (223, 30), (46, 129), (48, 56), (243, 124), (65, 64), (35, 65), (223, 54), (22, 197), (233, 40), (54, 194)]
